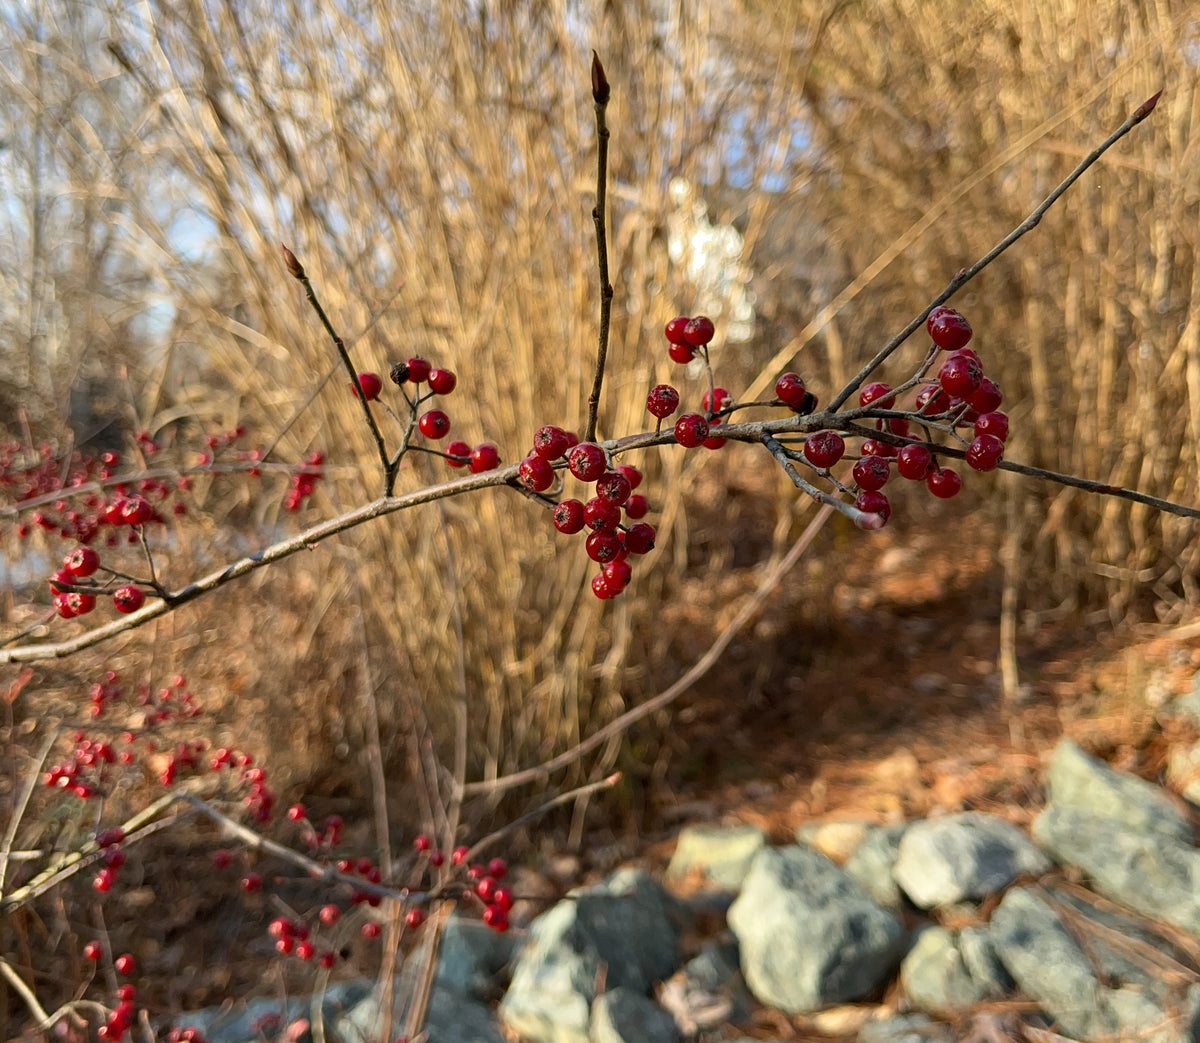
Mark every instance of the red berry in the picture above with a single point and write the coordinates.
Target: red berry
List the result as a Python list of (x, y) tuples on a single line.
[(613, 488), (879, 393), (994, 423), (587, 461), (497, 869), (330, 914), (434, 424), (371, 386), (947, 329), (279, 927), (943, 483), (414, 917), (601, 588), (305, 950), (421, 842), (124, 964), (699, 331), (126, 993), (442, 381), (987, 399), (370, 929), (136, 511), (93, 950), (603, 547), (662, 401), (221, 859), (326, 959), (714, 441), (932, 400), (418, 370), (617, 574), (914, 462), (873, 447), (674, 329), (873, 503), (636, 506), (536, 473), (824, 448), (251, 882), (80, 603), (568, 517), (458, 856), (984, 453), (460, 450), (550, 442), (871, 473), (632, 473), (601, 516), (960, 376), (496, 918), (485, 887), (484, 458), (691, 430), (681, 353), (502, 898), (790, 390), (82, 561), (716, 401), (436, 858), (968, 352), (639, 538), (128, 598)]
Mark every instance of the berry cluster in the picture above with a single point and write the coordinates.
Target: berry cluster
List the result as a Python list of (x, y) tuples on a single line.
[(121, 1017)]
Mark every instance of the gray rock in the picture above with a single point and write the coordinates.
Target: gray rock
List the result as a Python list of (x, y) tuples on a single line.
[(982, 961), (936, 978), (625, 1016), (971, 855), (1084, 784), (618, 932), (707, 990), (1183, 771), (873, 861), (1093, 991), (809, 935), (721, 853), (471, 958), (905, 1028)]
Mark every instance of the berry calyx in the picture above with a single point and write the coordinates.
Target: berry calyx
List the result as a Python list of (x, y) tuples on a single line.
[(947, 329), (568, 517), (824, 448), (691, 430), (674, 329), (484, 457), (984, 453), (550, 442), (536, 473), (914, 462), (128, 598), (613, 488), (371, 385), (434, 424), (587, 461), (943, 483), (603, 547), (699, 331), (601, 516), (790, 390), (458, 454), (662, 401), (442, 381)]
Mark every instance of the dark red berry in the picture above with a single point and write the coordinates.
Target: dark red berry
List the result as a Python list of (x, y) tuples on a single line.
[(124, 964), (496, 918), (136, 511), (691, 430), (613, 488), (587, 461), (442, 381), (484, 458), (630, 472), (462, 451), (947, 329), (994, 423), (873, 503), (674, 329), (984, 453), (80, 603), (636, 506), (536, 473), (617, 574), (914, 462), (662, 401), (568, 517), (960, 376), (371, 386), (681, 353), (878, 393), (987, 399), (601, 516), (699, 331), (639, 538), (871, 473), (93, 950), (874, 447), (434, 424), (943, 483), (414, 918), (550, 442), (82, 561), (715, 401), (418, 370), (932, 400), (128, 598), (789, 389), (824, 448), (601, 588), (603, 546)]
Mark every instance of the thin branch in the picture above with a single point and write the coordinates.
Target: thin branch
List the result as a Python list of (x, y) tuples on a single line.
[(967, 274), (863, 519), (600, 95)]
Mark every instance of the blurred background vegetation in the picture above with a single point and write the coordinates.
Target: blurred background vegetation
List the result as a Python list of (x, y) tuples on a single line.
[(432, 166)]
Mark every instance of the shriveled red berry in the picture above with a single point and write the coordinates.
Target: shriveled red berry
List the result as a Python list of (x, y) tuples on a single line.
[(872, 472), (601, 516), (987, 399), (994, 423), (484, 457), (674, 329), (691, 430), (984, 453), (536, 473), (947, 329), (613, 488), (944, 483), (418, 370), (960, 376), (587, 461), (568, 517), (462, 451), (636, 506), (877, 393), (715, 401), (603, 547), (824, 448), (790, 390), (681, 353), (434, 424), (662, 401), (82, 561), (873, 503), (442, 381), (699, 331), (128, 598), (639, 538), (630, 472), (914, 462), (371, 385), (550, 442)]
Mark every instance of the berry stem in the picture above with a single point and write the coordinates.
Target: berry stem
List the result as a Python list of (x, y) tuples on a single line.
[(598, 217), (784, 457)]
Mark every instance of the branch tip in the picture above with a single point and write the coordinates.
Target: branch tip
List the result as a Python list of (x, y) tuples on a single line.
[(294, 267), (1147, 106), (600, 89)]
